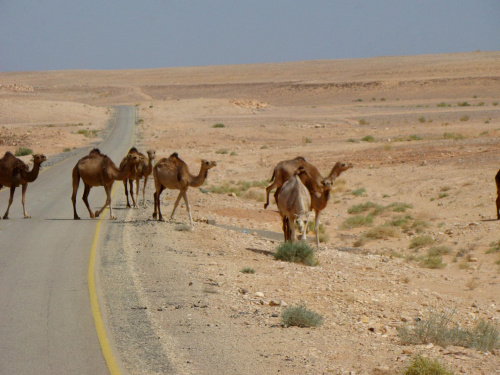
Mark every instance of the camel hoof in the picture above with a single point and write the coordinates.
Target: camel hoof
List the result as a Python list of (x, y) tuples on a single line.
[(5, 217), (113, 217), (265, 205), (27, 217), (76, 218)]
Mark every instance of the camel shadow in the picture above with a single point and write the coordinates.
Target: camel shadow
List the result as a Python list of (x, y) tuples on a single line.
[(486, 220)]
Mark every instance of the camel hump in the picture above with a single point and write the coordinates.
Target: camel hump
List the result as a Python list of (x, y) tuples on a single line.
[(133, 149), (174, 155), (95, 151), (300, 158)]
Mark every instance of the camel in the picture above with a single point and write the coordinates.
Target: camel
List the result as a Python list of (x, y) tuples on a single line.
[(144, 169), (97, 169), (318, 187), (294, 203), (173, 173), (497, 181), (14, 172)]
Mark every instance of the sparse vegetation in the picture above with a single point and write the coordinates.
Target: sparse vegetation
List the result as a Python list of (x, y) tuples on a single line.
[(22, 151), (88, 133), (248, 270), (363, 121), (454, 136), (357, 221), (425, 366), (358, 192), (306, 140), (218, 125), (432, 262), (297, 252), (415, 137), (494, 247), (439, 329), (463, 104), (221, 151), (464, 118), (301, 316), (421, 119), (368, 138), (421, 241)]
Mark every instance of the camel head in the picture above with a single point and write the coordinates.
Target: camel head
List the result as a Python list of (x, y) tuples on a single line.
[(340, 167), (205, 164), (39, 159), (151, 154)]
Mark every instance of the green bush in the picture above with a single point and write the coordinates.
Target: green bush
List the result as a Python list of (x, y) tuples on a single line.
[(297, 252), (301, 316), (248, 270), (368, 138), (22, 151), (424, 366), (218, 125)]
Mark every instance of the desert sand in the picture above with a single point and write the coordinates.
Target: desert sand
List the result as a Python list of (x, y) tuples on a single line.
[(421, 131)]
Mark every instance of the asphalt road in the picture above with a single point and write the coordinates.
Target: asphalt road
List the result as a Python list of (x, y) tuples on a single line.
[(46, 323)]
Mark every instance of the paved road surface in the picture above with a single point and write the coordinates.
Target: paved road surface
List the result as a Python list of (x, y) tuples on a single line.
[(46, 324)]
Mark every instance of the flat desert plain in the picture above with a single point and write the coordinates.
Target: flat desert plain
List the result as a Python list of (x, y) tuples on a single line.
[(410, 233)]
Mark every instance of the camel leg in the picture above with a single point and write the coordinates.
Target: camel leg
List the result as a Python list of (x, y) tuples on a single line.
[(285, 227), (126, 192), (268, 191), (276, 193), (85, 199), (157, 204), (144, 191), (188, 207), (175, 204), (106, 204), (498, 206), (291, 225), (131, 182), (155, 214), (316, 227), (76, 183), (11, 199), (23, 200)]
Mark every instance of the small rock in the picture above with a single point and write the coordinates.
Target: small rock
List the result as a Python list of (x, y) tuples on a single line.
[(259, 294), (473, 260)]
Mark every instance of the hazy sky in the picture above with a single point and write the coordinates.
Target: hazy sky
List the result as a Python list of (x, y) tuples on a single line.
[(127, 34)]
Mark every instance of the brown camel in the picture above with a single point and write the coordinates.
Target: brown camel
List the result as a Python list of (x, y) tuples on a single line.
[(144, 169), (97, 169), (497, 181), (173, 173), (14, 172), (294, 204), (318, 187)]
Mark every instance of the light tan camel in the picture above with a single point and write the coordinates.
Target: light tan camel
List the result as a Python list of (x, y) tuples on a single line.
[(14, 172), (497, 182), (97, 169), (173, 173), (144, 169), (294, 205), (318, 187)]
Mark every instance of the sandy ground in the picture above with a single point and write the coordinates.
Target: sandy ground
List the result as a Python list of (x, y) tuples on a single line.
[(421, 148)]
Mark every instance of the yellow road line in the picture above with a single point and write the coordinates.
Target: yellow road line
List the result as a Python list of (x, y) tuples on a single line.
[(113, 367), (94, 305)]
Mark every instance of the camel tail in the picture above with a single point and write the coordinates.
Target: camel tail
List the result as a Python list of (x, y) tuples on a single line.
[(273, 176)]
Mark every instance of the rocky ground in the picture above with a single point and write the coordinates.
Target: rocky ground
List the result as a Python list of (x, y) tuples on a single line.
[(422, 133)]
